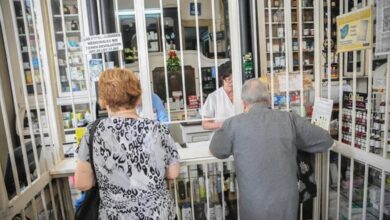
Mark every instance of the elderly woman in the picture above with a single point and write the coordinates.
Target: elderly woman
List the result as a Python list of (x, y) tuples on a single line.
[(132, 156)]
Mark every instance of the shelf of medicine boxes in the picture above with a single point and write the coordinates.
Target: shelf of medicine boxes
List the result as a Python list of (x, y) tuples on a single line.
[(77, 100), (358, 202), (68, 25)]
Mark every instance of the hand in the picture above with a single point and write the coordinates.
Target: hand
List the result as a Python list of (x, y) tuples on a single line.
[(219, 124)]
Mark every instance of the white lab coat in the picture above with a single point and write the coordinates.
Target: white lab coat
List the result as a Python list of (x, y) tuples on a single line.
[(218, 106)]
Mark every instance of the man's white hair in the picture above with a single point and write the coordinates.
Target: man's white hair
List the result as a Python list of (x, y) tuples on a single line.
[(254, 91)]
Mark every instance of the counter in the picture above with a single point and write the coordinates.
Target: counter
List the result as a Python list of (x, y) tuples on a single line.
[(194, 153)]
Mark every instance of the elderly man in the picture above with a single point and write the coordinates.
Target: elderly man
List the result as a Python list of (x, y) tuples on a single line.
[(264, 144)]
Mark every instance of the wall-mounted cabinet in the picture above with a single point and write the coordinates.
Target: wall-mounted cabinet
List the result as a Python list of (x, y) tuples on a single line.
[(288, 39), (67, 26), (28, 37), (153, 32)]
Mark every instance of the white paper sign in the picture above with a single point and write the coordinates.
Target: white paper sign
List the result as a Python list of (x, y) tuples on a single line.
[(103, 43), (382, 27), (322, 112), (294, 82)]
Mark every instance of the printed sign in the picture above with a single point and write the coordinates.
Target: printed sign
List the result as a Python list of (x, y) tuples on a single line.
[(322, 112), (382, 43), (95, 69), (354, 30), (361, 100), (192, 9), (103, 43)]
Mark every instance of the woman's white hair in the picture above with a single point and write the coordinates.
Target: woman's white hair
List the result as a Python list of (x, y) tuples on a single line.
[(254, 91)]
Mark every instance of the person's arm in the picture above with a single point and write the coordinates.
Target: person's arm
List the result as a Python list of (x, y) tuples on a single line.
[(84, 178), (309, 137), (221, 145), (162, 115), (173, 170), (210, 124), (172, 155), (208, 112)]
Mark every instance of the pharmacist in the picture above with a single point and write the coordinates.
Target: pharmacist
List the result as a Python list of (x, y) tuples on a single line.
[(219, 104)]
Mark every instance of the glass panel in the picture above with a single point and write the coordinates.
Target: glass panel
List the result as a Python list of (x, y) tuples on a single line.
[(374, 193), (333, 184), (181, 76), (215, 190), (386, 206), (357, 190), (344, 187), (67, 33)]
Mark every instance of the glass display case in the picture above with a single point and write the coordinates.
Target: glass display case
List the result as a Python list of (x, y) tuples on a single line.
[(28, 47), (67, 26), (206, 191)]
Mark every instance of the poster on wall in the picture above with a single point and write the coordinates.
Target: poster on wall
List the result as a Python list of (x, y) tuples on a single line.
[(352, 29), (382, 45), (322, 112), (103, 43), (95, 69)]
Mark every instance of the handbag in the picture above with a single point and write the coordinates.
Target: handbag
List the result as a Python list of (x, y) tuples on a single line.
[(307, 186), (89, 209)]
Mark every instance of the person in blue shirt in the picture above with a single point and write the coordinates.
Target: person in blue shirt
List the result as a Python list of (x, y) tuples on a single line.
[(158, 109)]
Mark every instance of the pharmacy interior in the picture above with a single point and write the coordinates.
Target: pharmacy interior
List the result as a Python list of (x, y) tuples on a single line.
[(303, 50)]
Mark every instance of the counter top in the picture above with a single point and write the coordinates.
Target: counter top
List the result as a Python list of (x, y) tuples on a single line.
[(194, 153)]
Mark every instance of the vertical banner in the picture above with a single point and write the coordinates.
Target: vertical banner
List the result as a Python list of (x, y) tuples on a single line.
[(354, 30), (382, 45)]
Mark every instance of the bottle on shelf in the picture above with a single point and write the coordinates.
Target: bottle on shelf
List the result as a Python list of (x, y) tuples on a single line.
[(66, 9), (74, 25), (182, 193), (382, 106), (347, 173), (186, 212), (202, 188)]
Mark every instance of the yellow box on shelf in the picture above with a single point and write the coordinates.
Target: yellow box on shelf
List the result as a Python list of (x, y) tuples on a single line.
[(79, 133)]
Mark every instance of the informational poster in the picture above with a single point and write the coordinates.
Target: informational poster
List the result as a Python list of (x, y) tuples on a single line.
[(361, 100), (95, 69), (322, 112), (382, 27), (103, 43), (354, 30), (294, 82)]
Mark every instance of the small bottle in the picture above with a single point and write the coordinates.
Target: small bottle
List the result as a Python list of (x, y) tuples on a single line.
[(182, 190), (347, 173), (186, 212), (74, 26), (88, 116), (232, 184), (66, 10), (202, 188), (75, 9), (382, 106), (212, 212), (218, 212)]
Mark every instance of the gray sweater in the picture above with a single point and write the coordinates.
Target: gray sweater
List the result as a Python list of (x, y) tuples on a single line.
[(264, 144)]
